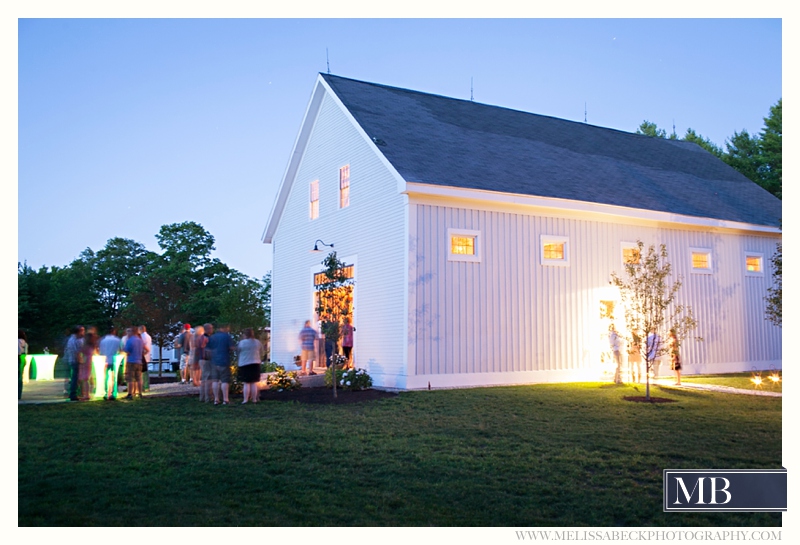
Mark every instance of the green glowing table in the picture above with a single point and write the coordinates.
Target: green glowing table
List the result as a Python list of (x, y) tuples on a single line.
[(99, 368), (39, 367)]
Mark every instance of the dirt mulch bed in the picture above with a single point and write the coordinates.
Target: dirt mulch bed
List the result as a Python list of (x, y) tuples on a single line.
[(643, 399), (325, 396)]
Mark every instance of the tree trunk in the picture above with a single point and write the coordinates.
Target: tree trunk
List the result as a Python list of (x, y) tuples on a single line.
[(159, 358), (647, 388)]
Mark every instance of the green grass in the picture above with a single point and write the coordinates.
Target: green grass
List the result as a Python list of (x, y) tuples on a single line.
[(554, 455), (736, 380)]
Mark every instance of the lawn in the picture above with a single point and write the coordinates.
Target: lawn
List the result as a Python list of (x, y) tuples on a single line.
[(737, 380), (543, 455)]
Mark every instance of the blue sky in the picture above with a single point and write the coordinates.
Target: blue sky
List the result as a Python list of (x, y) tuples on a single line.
[(129, 124)]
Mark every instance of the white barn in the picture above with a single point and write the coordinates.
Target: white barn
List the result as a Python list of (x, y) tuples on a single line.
[(482, 239)]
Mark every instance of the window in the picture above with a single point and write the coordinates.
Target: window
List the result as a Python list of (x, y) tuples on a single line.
[(754, 264), (313, 198), (701, 260), (344, 186), (554, 250), (463, 245), (631, 255)]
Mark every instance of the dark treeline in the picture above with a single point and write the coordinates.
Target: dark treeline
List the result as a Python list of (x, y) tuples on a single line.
[(124, 284), (758, 156)]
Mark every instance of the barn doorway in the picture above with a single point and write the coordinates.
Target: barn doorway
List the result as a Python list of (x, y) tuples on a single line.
[(334, 307)]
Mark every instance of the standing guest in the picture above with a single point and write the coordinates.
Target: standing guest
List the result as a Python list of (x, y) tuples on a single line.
[(675, 356), (653, 345), (183, 344), (109, 348), (635, 358), (147, 357), (250, 351), (196, 352), (133, 370), (347, 340), (205, 366), (22, 351), (72, 356), (308, 344), (220, 344), (614, 343), (88, 350)]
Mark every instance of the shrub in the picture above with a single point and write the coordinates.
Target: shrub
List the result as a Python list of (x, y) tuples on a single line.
[(271, 367), (280, 380), (348, 379)]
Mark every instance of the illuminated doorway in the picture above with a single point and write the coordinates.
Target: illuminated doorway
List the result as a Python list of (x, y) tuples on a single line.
[(333, 306)]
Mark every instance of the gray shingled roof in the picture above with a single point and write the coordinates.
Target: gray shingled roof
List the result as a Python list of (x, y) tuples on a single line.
[(452, 142)]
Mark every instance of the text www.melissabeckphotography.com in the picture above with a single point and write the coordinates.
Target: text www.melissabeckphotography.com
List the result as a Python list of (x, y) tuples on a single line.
[(648, 535)]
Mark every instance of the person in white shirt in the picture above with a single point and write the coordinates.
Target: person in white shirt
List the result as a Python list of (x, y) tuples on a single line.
[(109, 348), (250, 351), (147, 355)]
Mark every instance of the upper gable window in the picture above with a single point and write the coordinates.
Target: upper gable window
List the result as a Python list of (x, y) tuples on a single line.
[(754, 264), (701, 260), (631, 255), (554, 250), (344, 186), (313, 200), (463, 245)]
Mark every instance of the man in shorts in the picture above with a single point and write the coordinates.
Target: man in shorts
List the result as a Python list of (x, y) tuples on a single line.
[(183, 345), (308, 344), (134, 347), (220, 344)]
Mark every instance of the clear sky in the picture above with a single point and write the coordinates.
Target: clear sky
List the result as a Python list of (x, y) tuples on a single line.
[(129, 124)]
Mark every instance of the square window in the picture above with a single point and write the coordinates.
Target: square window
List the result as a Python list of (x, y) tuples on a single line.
[(463, 245), (631, 254), (554, 250), (313, 200), (344, 186), (754, 264), (701, 260)]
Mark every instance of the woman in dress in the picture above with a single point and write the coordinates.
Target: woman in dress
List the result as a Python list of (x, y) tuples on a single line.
[(196, 353), (347, 339), (88, 350), (675, 356), (249, 351)]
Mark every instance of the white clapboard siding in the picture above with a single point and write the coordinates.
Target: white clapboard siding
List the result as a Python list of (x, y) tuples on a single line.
[(508, 317), (370, 232)]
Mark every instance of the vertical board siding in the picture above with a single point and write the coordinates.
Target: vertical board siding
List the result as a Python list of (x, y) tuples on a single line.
[(509, 313), (371, 229)]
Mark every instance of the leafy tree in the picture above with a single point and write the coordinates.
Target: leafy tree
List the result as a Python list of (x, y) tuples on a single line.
[(651, 129), (771, 144), (744, 154), (334, 299), (113, 268), (703, 142), (243, 303), (649, 300), (774, 294)]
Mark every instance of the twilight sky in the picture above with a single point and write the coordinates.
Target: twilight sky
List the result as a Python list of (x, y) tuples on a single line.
[(129, 124)]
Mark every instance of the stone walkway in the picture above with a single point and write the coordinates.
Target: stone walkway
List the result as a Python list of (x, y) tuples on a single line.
[(668, 383), (52, 391)]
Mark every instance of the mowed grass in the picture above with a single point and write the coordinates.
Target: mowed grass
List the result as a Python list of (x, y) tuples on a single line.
[(737, 380), (543, 455)]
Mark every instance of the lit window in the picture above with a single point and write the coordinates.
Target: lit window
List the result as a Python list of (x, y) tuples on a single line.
[(754, 264), (344, 186), (554, 251), (463, 245), (701, 260), (631, 255), (314, 200)]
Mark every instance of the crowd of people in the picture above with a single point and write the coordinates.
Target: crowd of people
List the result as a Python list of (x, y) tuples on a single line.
[(205, 361), (654, 348)]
